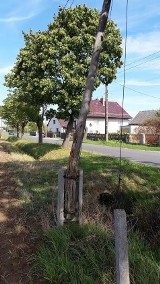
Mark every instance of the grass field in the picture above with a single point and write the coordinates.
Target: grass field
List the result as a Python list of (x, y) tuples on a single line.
[(85, 254)]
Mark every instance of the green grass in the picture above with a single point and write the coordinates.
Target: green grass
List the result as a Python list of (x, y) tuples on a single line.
[(116, 143), (85, 255), (35, 169)]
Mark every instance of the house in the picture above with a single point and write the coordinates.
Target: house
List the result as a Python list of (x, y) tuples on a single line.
[(2, 124), (57, 126), (96, 118), (140, 119), (95, 122)]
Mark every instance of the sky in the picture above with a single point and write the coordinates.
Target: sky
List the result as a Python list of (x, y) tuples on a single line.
[(139, 84)]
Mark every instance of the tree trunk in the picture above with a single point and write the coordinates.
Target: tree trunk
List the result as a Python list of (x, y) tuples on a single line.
[(22, 129), (65, 143), (40, 138), (70, 204), (17, 130)]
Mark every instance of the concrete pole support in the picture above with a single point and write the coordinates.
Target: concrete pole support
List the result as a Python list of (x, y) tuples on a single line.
[(60, 203), (121, 247)]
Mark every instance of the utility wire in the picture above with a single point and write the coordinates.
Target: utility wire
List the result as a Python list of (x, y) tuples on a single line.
[(139, 92), (71, 4), (123, 95), (138, 64), (142, 58), (66, 4)]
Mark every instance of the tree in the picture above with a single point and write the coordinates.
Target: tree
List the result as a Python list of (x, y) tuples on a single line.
[(1, 107), (70, 43), (72, 172), (29, 76), (14, 112)]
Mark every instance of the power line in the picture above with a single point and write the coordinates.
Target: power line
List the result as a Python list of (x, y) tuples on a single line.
[(123, 95), (140, 64), (143, 58), (66, 4), (139, 92)]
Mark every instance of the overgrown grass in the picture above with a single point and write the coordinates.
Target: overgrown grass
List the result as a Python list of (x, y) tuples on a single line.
[(35, 170), (85, 255), (77, 255), (116, 143)]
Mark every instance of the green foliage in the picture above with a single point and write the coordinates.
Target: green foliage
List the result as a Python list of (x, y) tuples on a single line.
[(14, 110), (53, 65), (1, 107), (70, 44)]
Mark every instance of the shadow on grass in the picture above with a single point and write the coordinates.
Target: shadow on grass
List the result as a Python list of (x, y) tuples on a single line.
[(140, 184), (37, 150)]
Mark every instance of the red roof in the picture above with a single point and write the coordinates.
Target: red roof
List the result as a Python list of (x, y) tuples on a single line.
[(97, 109)]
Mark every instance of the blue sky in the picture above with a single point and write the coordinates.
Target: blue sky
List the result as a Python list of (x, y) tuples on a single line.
[(142, 90)]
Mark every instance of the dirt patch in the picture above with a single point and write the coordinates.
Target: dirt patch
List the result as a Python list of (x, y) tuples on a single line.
[(17, 240)]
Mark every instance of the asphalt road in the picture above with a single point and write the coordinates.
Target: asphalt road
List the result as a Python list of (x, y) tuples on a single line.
[(146, 157)]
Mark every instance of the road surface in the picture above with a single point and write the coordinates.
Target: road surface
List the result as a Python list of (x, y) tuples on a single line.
[(141, 156)]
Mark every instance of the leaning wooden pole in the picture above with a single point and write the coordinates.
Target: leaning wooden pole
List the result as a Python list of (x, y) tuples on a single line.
[(79, 132), (71, 207)]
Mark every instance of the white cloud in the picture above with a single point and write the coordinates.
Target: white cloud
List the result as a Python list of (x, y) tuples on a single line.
[(141, 83), (16, 19), (5, 70), (20, 10), (143, 44)]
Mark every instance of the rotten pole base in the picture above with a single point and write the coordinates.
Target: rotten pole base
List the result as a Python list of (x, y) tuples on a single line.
[(121, 247), (61, 198)]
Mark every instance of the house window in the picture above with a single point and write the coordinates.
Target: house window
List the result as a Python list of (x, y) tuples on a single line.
[(54, 122), (57, 130)]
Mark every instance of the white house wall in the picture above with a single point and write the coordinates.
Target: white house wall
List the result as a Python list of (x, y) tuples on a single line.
[(97, 125), (133, 129), (55, 126)]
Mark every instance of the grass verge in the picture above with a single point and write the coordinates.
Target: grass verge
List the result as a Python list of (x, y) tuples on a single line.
[(35, 171), (116, 143)]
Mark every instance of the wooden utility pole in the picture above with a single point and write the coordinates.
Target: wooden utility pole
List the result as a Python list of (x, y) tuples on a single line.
[(72, 171), (106, 113)]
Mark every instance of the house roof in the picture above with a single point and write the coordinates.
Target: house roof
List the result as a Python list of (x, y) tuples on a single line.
[(97, 109), (142, 117)]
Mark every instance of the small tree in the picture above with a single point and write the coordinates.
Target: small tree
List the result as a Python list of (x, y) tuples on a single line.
[(14, 113), (69, 45), (29, 77)]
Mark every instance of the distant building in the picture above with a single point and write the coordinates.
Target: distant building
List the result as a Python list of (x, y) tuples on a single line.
[(140, 119), (2, 123), (95, 122)]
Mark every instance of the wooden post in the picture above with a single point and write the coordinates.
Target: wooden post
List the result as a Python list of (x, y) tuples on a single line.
[(61, 218), (121, 247)]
